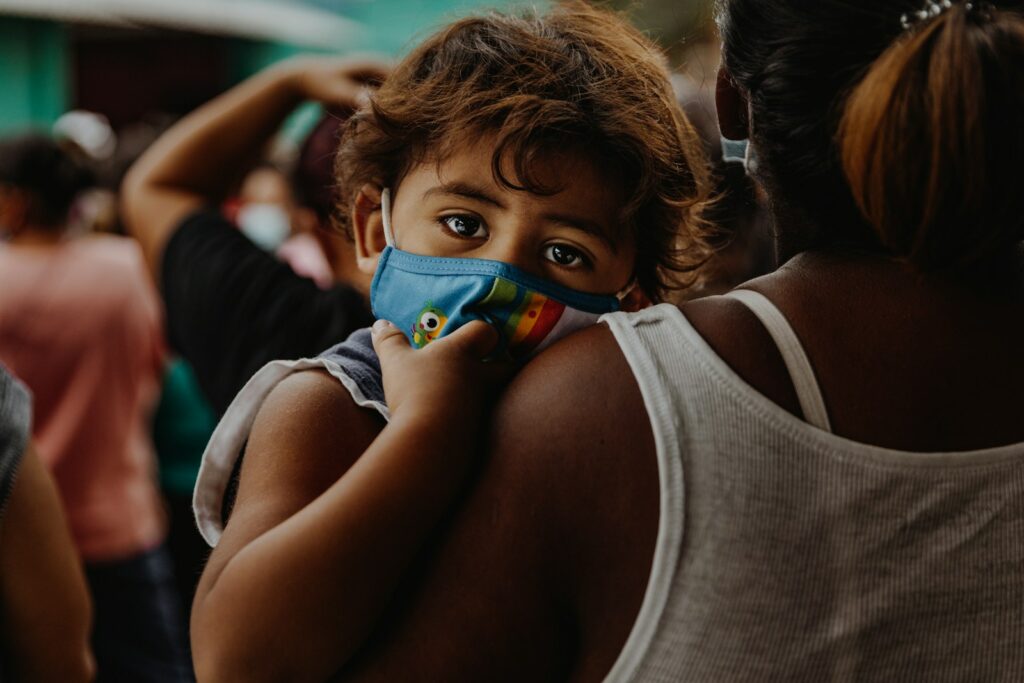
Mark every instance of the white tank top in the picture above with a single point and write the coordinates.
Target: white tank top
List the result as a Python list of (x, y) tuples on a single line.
[(786, 553)]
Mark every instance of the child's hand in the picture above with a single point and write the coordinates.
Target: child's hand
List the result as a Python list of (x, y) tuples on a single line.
[(447, 380)]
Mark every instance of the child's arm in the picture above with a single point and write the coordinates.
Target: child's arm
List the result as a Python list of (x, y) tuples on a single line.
[(309, 560)]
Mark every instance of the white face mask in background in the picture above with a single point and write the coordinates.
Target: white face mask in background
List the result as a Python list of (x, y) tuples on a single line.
[(267, 225)]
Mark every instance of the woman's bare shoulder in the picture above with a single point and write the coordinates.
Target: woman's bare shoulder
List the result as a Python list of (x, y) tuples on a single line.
[(570, 394), (551, 550), (592, 448)]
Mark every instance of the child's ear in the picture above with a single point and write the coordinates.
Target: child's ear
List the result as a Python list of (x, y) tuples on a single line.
[(635, 300), (368, 228)]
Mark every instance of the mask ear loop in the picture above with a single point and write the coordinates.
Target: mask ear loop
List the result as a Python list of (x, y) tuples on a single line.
[(627, 290), (385, 214)]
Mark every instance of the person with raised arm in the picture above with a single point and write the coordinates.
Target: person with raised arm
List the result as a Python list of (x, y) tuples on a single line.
[(231, 307)]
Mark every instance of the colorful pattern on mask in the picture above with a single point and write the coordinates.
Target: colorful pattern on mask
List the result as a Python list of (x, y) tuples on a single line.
[(525, 317)]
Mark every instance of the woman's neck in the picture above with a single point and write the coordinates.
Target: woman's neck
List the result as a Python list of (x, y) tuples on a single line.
[(998, 282), (797, 231)]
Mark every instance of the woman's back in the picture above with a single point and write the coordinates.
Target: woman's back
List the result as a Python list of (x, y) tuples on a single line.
[(79, 323), (890, 550), (786, 552), (904, 360)]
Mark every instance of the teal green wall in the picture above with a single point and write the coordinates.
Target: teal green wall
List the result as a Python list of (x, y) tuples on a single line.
[(251, 56), (35, 69), (390, 27), (34, 73), (396, 25)]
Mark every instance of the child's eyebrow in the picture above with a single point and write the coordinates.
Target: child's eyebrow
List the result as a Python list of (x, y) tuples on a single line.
[(464, 190), (584, 225)]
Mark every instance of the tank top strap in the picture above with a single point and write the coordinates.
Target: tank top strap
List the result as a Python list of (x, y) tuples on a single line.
[(799, 366)]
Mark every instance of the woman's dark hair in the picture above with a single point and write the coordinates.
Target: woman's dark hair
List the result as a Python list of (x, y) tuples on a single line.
[(930, 115), (36, 165), (574, 78), (931, 137)]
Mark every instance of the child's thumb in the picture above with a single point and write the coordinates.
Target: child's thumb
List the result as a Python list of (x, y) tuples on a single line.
[(387, 339)]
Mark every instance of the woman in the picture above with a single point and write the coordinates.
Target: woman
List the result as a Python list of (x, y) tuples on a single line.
[(836, 498), (80, 325)]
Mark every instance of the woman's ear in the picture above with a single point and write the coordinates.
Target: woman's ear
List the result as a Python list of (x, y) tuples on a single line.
[(733, 108), (368, 228)]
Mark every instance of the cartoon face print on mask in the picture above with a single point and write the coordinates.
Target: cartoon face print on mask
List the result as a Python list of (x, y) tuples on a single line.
[(428, 326), (461, 247)]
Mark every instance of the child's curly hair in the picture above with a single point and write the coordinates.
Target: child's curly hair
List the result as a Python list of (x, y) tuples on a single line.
[(575, 78)]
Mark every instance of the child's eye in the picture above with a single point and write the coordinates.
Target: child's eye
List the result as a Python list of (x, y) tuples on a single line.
[(566, 256), (464, 226)]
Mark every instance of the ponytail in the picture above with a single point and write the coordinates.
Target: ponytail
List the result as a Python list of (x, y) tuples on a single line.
[(931, 138)]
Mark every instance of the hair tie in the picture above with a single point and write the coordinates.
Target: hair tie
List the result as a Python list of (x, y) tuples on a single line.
[(934, 8)]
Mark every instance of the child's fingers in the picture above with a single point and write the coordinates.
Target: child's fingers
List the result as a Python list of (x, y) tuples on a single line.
[(476, 339)]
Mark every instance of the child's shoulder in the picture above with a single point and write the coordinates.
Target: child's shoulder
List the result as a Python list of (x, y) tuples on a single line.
[(354, 363), (358, 348), (346, 390)]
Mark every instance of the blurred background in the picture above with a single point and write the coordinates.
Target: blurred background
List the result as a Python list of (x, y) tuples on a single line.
[(140, 60)]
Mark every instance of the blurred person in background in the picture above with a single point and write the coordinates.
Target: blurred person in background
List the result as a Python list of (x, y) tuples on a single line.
[(182, 425), (80, 325), (44, 603), (183, 419), (231, 307), (268, 213), (88, 137), (107, 155), (259, 297)]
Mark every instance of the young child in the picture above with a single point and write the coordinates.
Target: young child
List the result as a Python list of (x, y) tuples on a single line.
[(553, 186), (532, 173)]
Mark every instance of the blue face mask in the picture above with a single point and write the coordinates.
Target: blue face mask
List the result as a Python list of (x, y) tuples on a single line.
[(428, 297)]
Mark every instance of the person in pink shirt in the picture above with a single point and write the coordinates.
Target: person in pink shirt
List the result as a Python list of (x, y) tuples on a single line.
[(80, 324)]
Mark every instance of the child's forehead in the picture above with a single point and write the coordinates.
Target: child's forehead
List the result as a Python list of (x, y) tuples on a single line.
[(555, 170)]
